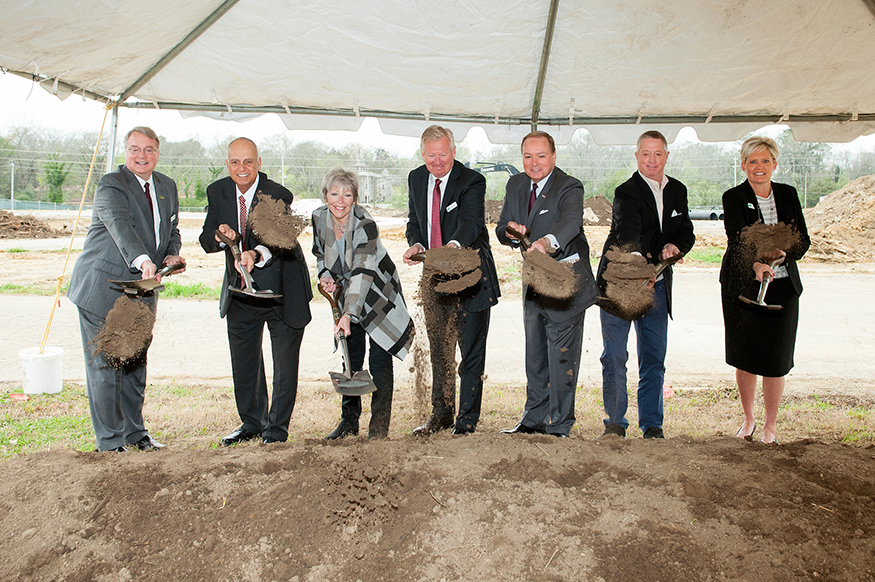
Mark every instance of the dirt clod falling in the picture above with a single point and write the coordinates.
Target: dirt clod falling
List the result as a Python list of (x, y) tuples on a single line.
[(626, 288), (274, 223), (548, 276), (127, 333)]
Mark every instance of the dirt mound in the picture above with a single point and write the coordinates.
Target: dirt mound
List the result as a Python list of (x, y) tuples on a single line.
[(12, 226), (481, 507), (493, 211), (842, 225), (597, 211)]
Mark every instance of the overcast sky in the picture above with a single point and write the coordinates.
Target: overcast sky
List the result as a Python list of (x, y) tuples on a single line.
[(24, 103)]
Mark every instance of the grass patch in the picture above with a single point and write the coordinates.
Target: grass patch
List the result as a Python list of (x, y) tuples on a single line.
[(707, 255), (15, 250), (189, 291), (196, 416), (46, 289)]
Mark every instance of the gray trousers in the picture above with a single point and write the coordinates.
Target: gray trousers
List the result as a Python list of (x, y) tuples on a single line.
[(115, 396), (552, 363)]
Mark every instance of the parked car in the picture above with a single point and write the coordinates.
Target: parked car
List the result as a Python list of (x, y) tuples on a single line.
[(713, 213)]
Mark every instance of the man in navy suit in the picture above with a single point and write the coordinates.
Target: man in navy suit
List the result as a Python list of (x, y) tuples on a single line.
[(284, 272), (650, 217), (446, 208), (133, 231), (546, 205)]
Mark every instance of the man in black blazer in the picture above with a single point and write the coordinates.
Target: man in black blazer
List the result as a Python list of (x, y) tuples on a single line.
[(459, 218), (282, 271), (546, 205), (133, 230), (650, 217)]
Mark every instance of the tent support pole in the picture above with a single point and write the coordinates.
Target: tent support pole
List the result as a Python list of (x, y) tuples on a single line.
[(545, 58), (113, 135)]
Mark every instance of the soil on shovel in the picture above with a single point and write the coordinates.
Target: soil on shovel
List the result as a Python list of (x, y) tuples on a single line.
[(127, 333), (452, 261), (548, 277), (626, 288), (760, 240), (274, 223)]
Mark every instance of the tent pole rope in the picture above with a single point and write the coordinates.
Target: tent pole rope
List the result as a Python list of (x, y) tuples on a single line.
[(57, 300)]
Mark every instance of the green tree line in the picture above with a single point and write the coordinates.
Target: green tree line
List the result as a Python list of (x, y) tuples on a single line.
[(52, 167)]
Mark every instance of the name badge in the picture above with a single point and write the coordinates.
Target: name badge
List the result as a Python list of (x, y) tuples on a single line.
[(451, 207)]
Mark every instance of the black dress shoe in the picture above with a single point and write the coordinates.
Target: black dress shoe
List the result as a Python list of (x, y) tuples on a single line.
[(560, 435), (433, 425), (616, 429), (654, 432), (459, 430), (343, 430), (523, 429), (115, 450), (268, 440), (147, 443), (238, 436)]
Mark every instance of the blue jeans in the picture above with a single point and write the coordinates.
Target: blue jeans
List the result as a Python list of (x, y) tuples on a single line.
[(652, 333)]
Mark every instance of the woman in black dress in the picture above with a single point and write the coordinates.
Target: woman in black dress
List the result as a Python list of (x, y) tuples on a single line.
[(761, 342)]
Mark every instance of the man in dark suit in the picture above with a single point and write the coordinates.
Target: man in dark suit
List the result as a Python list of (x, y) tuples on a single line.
[(282, 271), (446, 207), (546, 205), (650, 217), (133, 230)]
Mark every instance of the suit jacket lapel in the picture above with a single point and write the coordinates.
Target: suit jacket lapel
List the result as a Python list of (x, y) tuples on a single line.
[(649, 199), (540, 201), (138, 194)]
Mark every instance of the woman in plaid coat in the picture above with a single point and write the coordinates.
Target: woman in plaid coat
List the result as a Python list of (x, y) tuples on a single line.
[(349, 255)]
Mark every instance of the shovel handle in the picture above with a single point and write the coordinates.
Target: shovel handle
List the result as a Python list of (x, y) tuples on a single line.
[(167, 269), (418, 257), (524, 240), (332, 300), (235, 250)]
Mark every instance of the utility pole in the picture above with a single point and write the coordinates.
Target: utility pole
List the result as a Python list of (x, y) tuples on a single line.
[(12, 186)]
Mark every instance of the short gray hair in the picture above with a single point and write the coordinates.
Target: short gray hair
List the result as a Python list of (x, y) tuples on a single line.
[(435, 133), (652, 134), (343, 179), (147, 131), (755, 143)]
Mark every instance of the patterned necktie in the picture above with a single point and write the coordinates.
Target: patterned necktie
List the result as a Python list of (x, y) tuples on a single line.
[(243, 222), (436, 241), (149, 199), (534, 196)]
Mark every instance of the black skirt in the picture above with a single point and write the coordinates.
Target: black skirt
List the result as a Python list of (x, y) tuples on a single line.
[(761, 341)]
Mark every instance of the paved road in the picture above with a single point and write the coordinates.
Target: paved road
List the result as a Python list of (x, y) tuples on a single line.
[(833, 355)]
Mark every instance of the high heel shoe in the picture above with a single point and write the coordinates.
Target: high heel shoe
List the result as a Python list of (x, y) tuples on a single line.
[(747, 437)]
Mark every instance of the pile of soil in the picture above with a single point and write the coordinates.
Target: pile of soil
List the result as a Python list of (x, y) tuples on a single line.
[(626, 274), (127, 333), (480, 507), (493, 210), (842, 225), (274, 223), (12, 226), (597, 211)]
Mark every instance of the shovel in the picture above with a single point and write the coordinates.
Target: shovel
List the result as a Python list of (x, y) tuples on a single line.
[(247, 277), (359, 383), (546, 276), (144, 286), (761, 296)]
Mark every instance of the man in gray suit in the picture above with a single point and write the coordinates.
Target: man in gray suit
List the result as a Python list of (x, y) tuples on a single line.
[(133, 231), (546, 205)]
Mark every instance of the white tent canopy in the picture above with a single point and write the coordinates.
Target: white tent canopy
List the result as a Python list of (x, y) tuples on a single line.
[(614, 68)]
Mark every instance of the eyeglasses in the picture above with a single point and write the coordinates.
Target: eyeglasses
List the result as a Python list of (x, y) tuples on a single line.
[(149, 151)]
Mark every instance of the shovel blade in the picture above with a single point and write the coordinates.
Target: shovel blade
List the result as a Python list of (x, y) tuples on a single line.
[(359, 384), (267, 294)]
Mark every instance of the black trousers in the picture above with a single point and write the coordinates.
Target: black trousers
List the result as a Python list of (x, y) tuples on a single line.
[(381, 369), (246, 320)]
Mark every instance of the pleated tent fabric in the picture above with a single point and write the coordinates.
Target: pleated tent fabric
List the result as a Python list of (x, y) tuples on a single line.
[(723, 68)]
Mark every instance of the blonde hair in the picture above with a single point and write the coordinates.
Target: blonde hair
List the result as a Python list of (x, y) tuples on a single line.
[(755, 143), (434, 133), (343, 179)]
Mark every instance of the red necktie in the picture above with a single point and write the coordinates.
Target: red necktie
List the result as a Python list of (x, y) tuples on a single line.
[(242, 221), (534, 196), (149, 198), (436, 240)]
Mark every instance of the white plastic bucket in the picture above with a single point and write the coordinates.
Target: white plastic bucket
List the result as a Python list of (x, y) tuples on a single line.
[(42, 371)]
